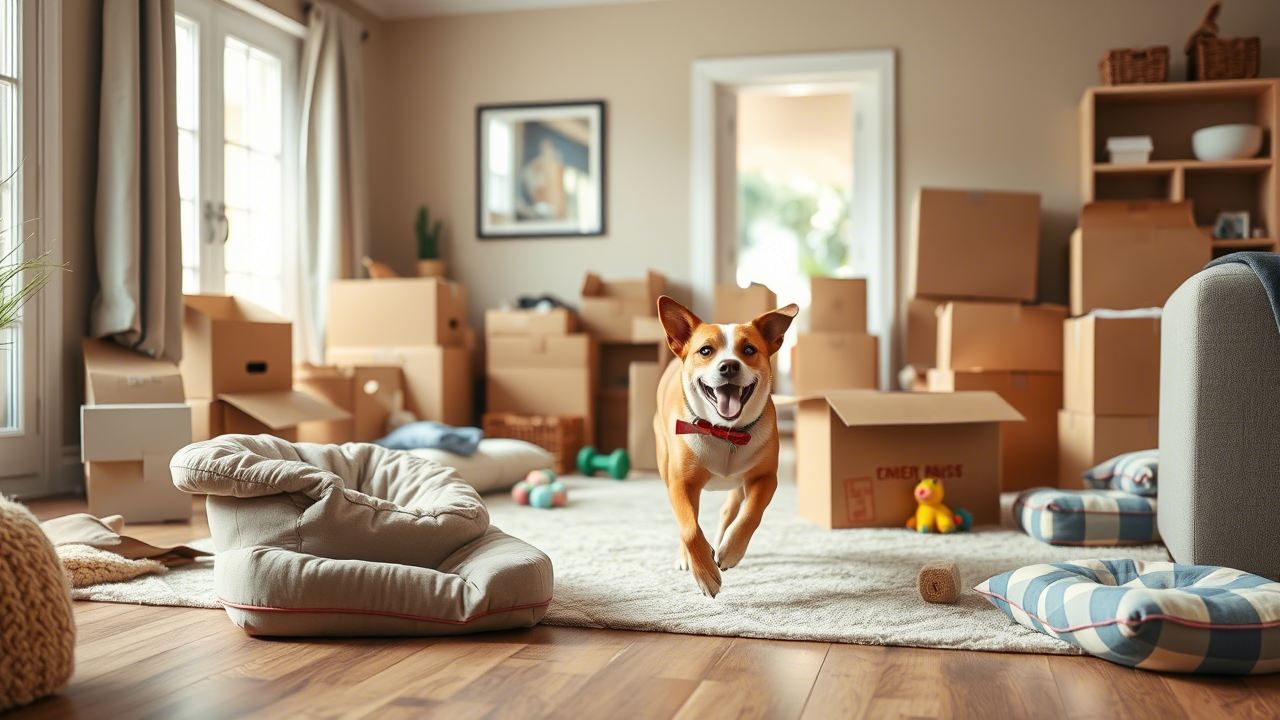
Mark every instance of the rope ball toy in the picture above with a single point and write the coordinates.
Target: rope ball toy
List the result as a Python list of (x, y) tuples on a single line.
[(540, 489)]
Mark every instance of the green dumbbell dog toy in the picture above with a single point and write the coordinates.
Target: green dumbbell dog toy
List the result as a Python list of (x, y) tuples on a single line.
[(615, 463)]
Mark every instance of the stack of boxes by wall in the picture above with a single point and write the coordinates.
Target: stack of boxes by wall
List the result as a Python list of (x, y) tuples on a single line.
[(836, 353), (1126, 259), (972, 272)]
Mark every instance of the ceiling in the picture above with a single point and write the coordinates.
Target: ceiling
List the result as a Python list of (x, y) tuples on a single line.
[(403, 9)]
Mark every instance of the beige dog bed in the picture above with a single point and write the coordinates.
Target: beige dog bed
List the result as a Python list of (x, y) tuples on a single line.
[(356, 540)]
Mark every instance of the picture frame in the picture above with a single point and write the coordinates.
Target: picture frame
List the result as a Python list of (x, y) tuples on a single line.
[(1231, 226), (540, 170)]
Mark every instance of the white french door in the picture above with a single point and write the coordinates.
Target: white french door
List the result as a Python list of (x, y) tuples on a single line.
[(237, 155)]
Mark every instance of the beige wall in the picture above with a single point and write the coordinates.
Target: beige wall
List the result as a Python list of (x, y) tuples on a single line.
[(810, 136), (988, 93)]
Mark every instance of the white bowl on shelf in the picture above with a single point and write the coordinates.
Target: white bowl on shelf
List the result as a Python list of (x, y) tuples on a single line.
[(1237, 141)]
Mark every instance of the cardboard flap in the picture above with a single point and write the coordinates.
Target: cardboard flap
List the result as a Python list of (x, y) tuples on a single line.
[(1136, 214), (869, 407), (592, 285), (231, 309), (648, 330), (116, 375), (281, 409), (125, 433)]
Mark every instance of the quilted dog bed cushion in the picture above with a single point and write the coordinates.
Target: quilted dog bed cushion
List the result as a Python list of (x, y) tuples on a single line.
[(1150, 615), (356, 540), (1087, 517)]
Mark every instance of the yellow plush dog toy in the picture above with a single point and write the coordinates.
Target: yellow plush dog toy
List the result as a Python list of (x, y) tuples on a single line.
[(931, 515)]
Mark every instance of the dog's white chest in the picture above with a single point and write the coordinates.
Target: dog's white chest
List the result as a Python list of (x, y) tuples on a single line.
[(726, 462)]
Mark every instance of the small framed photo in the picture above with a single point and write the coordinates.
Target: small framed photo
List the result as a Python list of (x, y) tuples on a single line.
[(1231, 226), (540, 170)]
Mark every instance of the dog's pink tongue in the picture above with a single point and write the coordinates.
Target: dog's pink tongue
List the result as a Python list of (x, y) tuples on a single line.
[(728, 400)]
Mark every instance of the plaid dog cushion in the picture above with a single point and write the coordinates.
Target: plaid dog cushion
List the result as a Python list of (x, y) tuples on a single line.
[(1086, 517), (1150, 615), (1133, 472)]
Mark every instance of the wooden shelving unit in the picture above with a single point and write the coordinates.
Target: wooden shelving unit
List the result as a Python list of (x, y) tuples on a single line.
[(1170, 113)]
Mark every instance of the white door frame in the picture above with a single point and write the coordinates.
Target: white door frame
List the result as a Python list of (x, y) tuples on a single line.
[(872, 75)]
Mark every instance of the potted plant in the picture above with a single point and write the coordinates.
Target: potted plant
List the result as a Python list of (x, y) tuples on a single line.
[(429, 262), (20, 279)]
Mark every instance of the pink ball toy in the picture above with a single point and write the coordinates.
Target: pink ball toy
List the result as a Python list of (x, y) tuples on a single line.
[(539, 477), (520, 493)]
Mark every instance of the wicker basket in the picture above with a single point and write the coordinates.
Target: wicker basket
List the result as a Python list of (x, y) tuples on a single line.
[(1213, 58), (1134, 65), (561, 435)]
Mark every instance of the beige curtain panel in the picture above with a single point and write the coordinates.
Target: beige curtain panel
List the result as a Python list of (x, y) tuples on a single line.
[(137, 217), (335, 210)]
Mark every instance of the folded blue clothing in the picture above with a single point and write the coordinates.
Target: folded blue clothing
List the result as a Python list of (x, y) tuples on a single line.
[(1134, 472), (1266, 265), (433, 435)]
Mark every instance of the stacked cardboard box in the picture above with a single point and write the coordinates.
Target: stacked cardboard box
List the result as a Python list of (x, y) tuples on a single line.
[(973, 267), (836, 353), (370, 393), (418, 325), (237, 366), (1125, 257)]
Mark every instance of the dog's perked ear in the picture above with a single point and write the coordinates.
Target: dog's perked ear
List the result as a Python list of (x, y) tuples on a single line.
[(773, 325), (678, 322)]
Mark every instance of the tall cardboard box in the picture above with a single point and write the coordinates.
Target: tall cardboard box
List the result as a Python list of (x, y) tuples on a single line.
[(922, 332), (132, 423), (397, 312), (1086, 440), (556, 321), (974, 244), (1000, 336), (608, 306), (860, 454), (837, 305), (1134, 254), (733, 304), (834, 361), (370, 393), (543, 375), (1029, 449), (437, 379), (642, 406), (1111, 365), (233, 346)]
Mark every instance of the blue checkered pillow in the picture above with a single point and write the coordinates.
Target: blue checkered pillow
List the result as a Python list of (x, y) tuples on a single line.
[(1133, 472), (1086, 517), (1150, 615)]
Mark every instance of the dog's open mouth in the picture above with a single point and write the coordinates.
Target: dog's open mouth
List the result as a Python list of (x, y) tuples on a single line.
[(728, 399)]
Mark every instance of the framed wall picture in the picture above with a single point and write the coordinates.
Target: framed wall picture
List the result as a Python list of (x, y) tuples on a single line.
[(540, 170)]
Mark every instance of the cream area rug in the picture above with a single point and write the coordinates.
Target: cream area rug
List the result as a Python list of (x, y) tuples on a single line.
[(614, 547), (189, 585)]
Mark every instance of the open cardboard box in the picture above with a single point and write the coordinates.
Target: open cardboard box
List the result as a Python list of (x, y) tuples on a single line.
[(370, 393), (396, 312), (132, 423), (272, 412), (860, 454), (733, 304), (837, 305), (974, 244), (437, 379), (1134, 254), (233, 346), (608, 306), (543, 375), (835, 361), (1000, 336), (1112, 365), (556, 321)]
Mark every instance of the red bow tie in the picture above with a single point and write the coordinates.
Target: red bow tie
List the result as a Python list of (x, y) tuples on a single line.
[(702, 427)]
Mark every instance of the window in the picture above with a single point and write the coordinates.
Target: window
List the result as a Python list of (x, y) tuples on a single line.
[(237, 173), (11, 224)]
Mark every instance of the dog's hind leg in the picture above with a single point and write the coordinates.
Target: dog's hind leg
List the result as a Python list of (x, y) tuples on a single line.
[(728, 512)]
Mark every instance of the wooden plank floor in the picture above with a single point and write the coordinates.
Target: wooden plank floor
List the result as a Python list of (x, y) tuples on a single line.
[(151, 662)]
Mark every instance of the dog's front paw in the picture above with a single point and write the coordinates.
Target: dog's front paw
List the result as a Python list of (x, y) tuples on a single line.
[(682, 559), (708, 580), (730, 553)]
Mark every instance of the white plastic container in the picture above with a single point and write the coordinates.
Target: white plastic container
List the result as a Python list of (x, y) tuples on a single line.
[(1134, 150)]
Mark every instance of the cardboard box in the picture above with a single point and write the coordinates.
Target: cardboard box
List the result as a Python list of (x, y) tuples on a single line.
[(608, 306), (733, 304), (1000, 336), (838, 305), (642, 406), (1086, 440), (543, 375), (1128, 255), (834, 361), (229, 345), (437, 380), (616, 360), (1029, 449), (206, 419), (277, 412), (1111, 365), (132, 423), (396, 312), (860, 454), (922, 332), (649, 330), (557, 321), (370, 393), (974, 244)]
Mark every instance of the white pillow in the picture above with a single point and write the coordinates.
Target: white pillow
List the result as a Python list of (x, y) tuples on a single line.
[(496, 465)]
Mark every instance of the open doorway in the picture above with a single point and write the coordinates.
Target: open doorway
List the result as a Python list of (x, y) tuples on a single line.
[(793, 177)]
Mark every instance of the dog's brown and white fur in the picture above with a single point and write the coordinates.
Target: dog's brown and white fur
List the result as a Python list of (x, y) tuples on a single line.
[(721, 374)]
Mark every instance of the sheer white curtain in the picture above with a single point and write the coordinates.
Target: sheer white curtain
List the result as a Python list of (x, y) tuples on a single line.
[(334, 173), (137, 216)]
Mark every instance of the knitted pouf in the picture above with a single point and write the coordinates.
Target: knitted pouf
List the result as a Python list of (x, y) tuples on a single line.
[(37, 627)]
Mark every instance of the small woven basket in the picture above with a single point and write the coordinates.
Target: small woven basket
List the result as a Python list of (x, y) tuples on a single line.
[(1135, 65), (1219, 59), (560, 435)]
